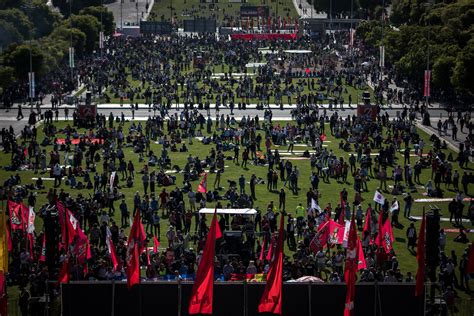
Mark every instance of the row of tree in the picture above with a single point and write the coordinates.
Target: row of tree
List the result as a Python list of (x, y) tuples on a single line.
[(441, 31), (32, 25)]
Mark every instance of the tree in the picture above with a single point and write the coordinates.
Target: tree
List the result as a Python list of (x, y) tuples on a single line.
[(339, 6), (88, 25), (65, 34), (75, 6), (18, 57), (7, 77), (8, 34), (17, 19), (43, 19), (108, 23), (463, 73), (442, 72)]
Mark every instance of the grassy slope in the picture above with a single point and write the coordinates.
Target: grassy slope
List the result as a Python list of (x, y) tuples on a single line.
[(329, 191)]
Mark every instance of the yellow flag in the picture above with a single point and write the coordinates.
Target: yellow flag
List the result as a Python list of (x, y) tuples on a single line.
[(3, 243)]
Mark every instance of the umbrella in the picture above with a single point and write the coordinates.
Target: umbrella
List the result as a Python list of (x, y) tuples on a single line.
[(308, 278), (117, 34)]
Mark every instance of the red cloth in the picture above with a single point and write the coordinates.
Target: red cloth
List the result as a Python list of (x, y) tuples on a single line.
[(64, 272), (19, 213), (271, 300), (42, 257), (203, 288), (361, 264), (156, 244), (202, 187), (420, 257), (350, 269), (262, 251), (387, 236), (263, 36), (135, 246)]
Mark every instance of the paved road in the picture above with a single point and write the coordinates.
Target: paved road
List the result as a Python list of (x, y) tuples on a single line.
[(128, 11)]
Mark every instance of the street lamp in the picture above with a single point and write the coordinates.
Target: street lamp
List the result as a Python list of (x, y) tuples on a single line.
[(427, 75)]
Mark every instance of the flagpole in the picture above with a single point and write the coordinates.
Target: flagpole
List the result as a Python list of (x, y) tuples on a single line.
[(245, 297), (113, 298), (179, 296)]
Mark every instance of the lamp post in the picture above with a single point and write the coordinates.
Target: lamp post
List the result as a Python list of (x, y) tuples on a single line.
[(427, 76)]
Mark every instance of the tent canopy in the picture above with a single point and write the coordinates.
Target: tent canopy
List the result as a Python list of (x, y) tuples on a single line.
[(232, 211)]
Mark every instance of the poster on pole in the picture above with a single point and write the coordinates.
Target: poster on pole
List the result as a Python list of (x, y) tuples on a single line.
[(382, 56), (426, 89), (31, 81), (71, 57)]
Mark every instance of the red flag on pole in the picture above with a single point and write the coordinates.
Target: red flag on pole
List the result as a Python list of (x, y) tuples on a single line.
[(262, 251), (271, 301), (156, 244), (387, 236), (320, 239), (203, 288), (340, 220), (111, 249), (361, 264), (202, 187), (420, 257), (368, 222), (270, 249), (42, 257), (16, 216), (350, 269), (64, 272), (135, 246)]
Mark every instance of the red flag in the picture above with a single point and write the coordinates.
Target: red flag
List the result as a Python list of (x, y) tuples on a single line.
[(68, 222), (42, 257), (9, 239), (270, 249), (135, 246), (202, 187), (262, 251), (320, 239), (343, 210), (111, 249), (64, 272), (31, 243), (203, 288), (350, 269), (367, 223), (323, 137), (156, 244), (16, 216), (420, 257), (271, 300), (387, 236), (336, 233), (361, 264)]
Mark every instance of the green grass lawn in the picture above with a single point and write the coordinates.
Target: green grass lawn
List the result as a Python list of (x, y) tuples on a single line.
[(187, 9), (330, 191)]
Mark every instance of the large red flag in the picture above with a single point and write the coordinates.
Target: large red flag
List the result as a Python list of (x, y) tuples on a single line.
[(420, 257), (336, 233), (203, 288), (350, 269), (271, 301), (68, 223), (135, 246), (202, 187)]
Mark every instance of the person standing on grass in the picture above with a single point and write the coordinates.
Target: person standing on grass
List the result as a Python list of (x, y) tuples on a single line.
[(282, 200), (411, 236), (408, 204), (253, 182), (145, 180), (125, 215)]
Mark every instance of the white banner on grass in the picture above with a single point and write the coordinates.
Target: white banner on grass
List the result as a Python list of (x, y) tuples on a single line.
[(346, 234), (378, 198), (394, 206)]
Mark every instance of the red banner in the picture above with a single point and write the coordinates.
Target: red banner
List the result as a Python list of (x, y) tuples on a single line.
[(426, 92), (263, 36)]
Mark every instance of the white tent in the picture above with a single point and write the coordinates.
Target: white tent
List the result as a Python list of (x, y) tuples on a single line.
[(231, 211)]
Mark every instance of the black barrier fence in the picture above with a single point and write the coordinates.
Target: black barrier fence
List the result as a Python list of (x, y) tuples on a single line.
[(236, 298)]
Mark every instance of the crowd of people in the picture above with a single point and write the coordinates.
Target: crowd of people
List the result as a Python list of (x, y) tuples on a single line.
[(94, 171)]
